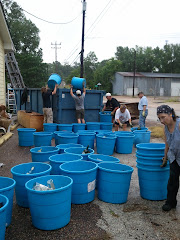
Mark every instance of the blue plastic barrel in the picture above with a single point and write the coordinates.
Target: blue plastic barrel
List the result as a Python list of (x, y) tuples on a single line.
[(93, 125), (50, 209), (86, 131), (7, 189), (56, 135), (42, 139), (114, 182), (124, 143), (64, 138), (58, 159), (65, 127), (104, 132), (154, 165), (21, 176), (53, 80), (153, 183), (62, 147), (149, 159), (50, 127), (79, 151), (26, 138), (141, 137), (151, 149), (86, 139), (106, 126), (83, 174), (105, 116), (105, 144), (98, 158), (42, 154), (78, 126), (142, 129), (3, 211), (77, 82)]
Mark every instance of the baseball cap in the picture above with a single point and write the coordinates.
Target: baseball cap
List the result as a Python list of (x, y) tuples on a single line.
[(78, 92), (108, 94)]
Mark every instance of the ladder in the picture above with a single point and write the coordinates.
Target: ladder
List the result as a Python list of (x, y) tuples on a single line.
[(13, 71), (11, 101)]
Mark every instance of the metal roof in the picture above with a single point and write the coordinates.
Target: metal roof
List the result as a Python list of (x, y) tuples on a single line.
[(150, 75)]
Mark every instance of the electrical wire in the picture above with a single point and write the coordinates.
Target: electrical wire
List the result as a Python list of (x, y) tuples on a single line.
[(49, 21)]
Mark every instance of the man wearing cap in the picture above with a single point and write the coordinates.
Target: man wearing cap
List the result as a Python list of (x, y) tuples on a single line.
[(143, 109), (79, 103), (111, 105)]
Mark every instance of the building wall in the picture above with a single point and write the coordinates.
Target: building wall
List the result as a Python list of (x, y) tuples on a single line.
[(150, 86), (2, 74)]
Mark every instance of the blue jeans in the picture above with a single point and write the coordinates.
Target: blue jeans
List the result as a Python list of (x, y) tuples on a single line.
[(142, 118)]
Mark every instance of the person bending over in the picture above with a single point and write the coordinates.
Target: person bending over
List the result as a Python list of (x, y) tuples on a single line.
[(168, 118), (122, 118)]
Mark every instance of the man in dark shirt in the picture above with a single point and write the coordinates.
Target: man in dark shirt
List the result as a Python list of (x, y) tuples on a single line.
[(47, 107), (111, 105)]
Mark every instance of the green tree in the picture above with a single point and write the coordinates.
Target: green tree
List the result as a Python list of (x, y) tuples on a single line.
[(25, 36)]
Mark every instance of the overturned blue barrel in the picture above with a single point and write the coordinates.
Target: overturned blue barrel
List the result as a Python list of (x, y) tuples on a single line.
[(83, 174), (3, 211), (141, 137), (64, 138), (53, 80), (58, 159), (105, 143), (65, 127), (106, 126), (124, 143), (78, 126), (42, 154), (7, 186), (24, 172), (98, 158), (105, 116), (114, 182), (26, 138), (93, 125), (87, 139), (79, 151), (50, 209), (50, 127), (42, 139), (153, 183), (77, 82)]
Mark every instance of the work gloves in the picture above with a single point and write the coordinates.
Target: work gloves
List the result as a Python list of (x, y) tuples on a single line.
[(143, 114), (131, 125)]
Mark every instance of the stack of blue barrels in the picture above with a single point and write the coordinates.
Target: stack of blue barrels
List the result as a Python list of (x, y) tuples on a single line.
[(152, 178)]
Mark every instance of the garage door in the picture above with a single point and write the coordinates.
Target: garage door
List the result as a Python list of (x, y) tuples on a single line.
[(175, 89)]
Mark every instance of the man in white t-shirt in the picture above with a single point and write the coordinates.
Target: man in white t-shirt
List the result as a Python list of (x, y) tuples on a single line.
[(122, 118)]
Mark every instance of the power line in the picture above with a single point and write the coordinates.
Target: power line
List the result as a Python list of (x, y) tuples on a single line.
[(73, 50), (49, 21)]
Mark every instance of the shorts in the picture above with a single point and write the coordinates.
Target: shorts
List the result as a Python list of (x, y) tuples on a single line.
[(80, 114), (127, 122)]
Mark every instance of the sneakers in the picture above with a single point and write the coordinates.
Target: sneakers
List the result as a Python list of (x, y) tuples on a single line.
[(167, 207)]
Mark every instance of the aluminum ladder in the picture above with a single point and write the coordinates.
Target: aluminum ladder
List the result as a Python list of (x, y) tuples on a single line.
[(12, 106)]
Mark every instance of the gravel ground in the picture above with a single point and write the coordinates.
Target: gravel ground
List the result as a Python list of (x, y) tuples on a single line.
[(137, 219)]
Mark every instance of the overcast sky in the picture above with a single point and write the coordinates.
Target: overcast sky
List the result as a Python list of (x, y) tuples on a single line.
[(108, 24)]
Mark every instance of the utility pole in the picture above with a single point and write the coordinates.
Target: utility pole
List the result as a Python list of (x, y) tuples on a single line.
[(56, 48), (134, 71), (82, 45)]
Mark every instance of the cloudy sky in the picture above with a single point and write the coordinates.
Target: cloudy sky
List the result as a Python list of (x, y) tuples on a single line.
[(108, 24)]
